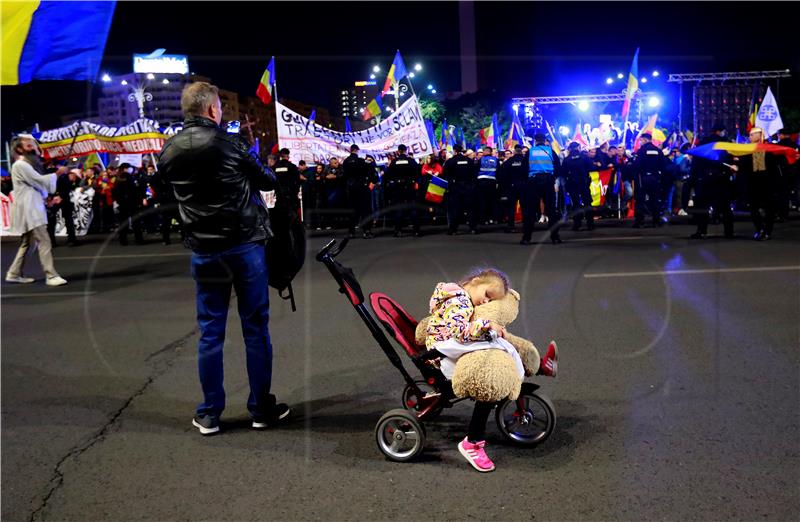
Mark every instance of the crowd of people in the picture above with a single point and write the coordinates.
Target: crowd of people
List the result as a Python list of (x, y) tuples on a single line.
[(486, 187)]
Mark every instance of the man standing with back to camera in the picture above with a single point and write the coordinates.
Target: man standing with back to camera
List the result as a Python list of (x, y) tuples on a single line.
[(217, 182)]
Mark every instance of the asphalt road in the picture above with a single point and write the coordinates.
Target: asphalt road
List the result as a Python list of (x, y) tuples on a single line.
[(678, 395)]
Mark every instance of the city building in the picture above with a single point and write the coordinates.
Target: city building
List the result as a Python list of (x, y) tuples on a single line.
[(353, 100)]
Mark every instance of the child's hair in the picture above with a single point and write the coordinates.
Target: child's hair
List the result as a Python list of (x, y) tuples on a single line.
[(483, 273)]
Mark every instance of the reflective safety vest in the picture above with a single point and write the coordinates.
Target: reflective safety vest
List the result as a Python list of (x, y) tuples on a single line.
[(488, 167), (540, 161)]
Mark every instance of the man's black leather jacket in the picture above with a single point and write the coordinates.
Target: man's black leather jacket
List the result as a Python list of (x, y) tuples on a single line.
[(216, 182)]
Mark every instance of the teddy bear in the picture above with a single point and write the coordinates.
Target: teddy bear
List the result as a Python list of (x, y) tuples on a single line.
[(491, 375)]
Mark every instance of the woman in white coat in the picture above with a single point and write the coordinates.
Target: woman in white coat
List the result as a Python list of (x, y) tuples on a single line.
[(28, 213)]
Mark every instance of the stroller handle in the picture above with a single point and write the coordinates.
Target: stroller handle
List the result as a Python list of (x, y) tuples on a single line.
[(328, 249)]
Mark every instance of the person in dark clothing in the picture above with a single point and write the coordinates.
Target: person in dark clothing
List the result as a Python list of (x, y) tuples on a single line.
[(540, 186), (334, 191), (761, 173), (713, 186), (399, 180), (217, 182), (511, 176), (65, 184), (288, 177), (648, 166), (459, 172), (315, 200), (165, 204), (359, 177), (129, 196), (576, 168)]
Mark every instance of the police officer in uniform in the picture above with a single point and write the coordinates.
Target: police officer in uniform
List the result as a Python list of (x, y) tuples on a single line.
[(399, 181), (713, 186), (648, 167), (540, 185), (511, 176), (576, 168), (486, 186), (358, 176), (459, 171), (288, 176)]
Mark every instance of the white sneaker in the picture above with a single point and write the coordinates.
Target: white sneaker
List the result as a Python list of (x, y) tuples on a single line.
[(682, 212), (55, 281), (18, 279), (541, 220)]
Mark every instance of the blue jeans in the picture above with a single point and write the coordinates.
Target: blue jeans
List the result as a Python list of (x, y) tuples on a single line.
[(243, 268)]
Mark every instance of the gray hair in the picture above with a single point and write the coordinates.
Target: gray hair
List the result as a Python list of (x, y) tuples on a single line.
[(197, 97)]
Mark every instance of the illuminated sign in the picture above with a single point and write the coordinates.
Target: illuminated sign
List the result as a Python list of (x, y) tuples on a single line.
[(164, 63), (364, 83)]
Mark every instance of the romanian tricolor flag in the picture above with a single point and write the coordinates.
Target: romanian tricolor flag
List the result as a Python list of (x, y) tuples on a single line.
[(633, 84), (515, 133), (718, 150), (396, 73), (53, 40), (490, 135), (436, 189), (579, 138), (374, 108), (553, 141), (266, 88), (657, 134)]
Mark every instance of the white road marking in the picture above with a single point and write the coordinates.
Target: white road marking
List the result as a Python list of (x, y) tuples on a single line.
[(695, 271)]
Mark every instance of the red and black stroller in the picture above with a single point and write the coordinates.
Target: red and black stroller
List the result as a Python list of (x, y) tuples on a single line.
[(400, 433)]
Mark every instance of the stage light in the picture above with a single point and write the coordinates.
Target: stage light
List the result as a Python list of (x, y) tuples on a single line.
[(151, 76), (376, 69), (653, 102), (417, 67), (433, 91), (656, 74), (411, 75), (620, 76), (609, 81), (165, 81), (106, 78), (430, 87), (371, 76), (124, 82), (515, 107), (564, 130), (583, 105), (644, 79)]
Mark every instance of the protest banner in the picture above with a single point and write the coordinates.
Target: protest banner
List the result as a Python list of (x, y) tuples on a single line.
[(82, 137), (314, 143)]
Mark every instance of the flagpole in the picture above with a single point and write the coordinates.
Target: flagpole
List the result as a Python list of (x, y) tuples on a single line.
[(275, 88)]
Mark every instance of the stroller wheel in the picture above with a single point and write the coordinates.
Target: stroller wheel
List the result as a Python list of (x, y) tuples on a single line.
[(411, 401), (400, 435), (527, 421)]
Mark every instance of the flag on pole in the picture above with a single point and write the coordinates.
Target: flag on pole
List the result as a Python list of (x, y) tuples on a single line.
[(313, 117), (490, 135), (396, 73), (553, 141), (436, 189), (658, 136), (347, 126), (633, 84), (374, 108), (578, 137), (53, 40), (266, 88), (515, 133), (769, 117), (431, 134), (753, 112)]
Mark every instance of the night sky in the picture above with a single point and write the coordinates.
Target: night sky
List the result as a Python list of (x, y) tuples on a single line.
[(524, 49)]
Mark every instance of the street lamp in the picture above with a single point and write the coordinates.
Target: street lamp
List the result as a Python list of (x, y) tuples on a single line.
[(656, 74), (417, 67), (644, 79), (433, 91), (376, 69), (371, 76), (411, 75), (430, 87), (609, 81), (620, 76)]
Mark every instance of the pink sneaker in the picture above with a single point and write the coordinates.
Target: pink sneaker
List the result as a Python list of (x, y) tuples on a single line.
[(475, 455), (549, 365)]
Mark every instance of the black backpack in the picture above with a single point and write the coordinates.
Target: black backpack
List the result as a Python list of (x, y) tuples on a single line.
[(286, 249)]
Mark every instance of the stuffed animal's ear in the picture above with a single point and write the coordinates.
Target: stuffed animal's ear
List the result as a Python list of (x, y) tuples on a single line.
[(514, 293)]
